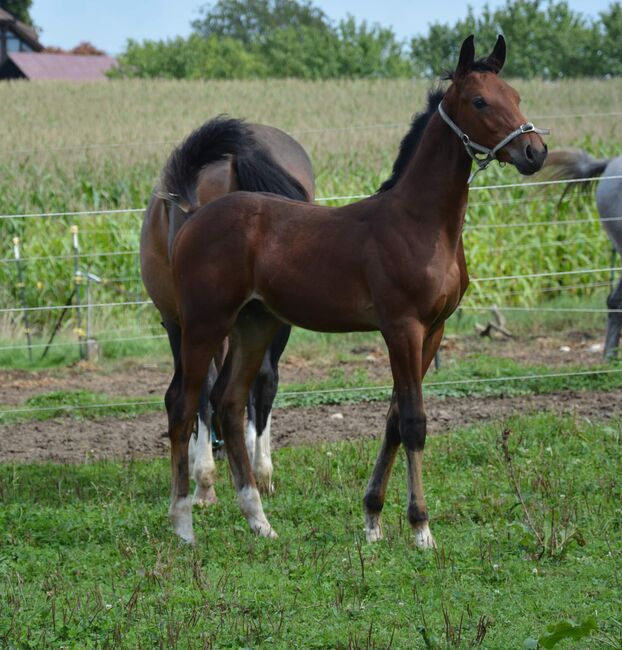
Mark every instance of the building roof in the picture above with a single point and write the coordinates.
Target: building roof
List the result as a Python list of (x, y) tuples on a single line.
[(26, 32), (71, 67)]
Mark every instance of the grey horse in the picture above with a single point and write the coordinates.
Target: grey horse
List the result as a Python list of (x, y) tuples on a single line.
[(577, 164)]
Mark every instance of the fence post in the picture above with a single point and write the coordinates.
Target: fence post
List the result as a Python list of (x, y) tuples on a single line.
[(77, 280), (92, 348), (21, 287)]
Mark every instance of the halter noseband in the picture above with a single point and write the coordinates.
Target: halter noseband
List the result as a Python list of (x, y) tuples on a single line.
[(472, 148)]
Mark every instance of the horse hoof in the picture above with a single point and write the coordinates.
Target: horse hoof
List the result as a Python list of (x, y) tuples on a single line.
[(263, 478), (181, 518), (204, 497), (264, 529), (373, 528), (373, 534), (265, 485), (424, 538), (186, 538)]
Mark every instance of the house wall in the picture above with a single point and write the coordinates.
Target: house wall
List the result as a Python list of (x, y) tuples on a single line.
[(8, 70)]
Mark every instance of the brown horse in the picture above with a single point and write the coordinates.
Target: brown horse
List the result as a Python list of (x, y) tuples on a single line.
[(394, 262), (222, 156)]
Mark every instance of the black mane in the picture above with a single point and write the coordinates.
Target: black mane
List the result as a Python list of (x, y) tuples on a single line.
[(411, 140)]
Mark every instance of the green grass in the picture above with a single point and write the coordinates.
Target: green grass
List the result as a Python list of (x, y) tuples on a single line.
[(125, 338), (87, 558)]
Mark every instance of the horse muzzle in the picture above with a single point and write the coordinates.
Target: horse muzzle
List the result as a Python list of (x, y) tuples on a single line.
[(528, 155)]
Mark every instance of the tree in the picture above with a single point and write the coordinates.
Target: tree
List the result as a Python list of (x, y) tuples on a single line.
[(611, 39), (545, 40), (250, 21), (18, 8)]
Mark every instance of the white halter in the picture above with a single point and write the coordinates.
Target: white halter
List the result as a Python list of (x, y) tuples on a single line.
[(472, 148)]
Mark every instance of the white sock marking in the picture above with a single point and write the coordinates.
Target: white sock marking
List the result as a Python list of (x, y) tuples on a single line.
[(423, 537), (251, 437), (180, 514), (203, 466), (262, 459), (250, 505), (373, 527)]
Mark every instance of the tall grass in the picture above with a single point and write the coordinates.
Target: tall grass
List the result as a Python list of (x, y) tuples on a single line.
[(101, 146)]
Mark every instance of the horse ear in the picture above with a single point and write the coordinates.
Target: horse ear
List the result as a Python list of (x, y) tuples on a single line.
[(466, 58), (496, 58)]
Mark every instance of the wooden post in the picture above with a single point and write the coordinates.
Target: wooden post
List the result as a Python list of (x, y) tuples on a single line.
[(21, 289), (77, 281)]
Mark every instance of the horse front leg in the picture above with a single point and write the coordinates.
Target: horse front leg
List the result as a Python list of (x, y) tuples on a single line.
[(408, 363)]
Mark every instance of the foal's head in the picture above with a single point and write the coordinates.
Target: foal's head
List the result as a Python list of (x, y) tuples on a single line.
[(486, 108)]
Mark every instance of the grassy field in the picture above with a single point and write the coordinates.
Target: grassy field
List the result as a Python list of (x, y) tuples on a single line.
[(101, 146), (529, 533), (87, 558)]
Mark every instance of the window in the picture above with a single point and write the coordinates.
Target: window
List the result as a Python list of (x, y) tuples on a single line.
[(15, 44)]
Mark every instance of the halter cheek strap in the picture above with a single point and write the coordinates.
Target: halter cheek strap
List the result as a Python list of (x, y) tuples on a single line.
[(473, 149)]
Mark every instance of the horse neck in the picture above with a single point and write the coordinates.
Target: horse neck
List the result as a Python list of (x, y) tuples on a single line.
[(434, 188)]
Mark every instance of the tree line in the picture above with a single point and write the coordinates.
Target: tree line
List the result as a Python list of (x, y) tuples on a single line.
[(241, 39)]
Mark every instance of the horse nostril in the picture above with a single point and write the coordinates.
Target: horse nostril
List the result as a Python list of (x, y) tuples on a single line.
[(529, 153)]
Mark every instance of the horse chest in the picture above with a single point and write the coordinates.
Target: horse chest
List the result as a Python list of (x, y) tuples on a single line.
[(443, 292)]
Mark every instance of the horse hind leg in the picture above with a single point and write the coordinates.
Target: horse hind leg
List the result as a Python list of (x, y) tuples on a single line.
[(200, 451), (614, 322), (182, 406), (247, 344), (261, 399), (199, 446)]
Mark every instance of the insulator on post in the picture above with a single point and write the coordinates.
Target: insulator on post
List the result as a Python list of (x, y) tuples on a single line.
[(74, 232)]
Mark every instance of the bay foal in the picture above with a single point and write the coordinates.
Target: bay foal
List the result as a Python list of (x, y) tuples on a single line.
[(246, 263)]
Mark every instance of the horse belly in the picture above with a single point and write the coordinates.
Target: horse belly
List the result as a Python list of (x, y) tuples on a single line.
[(316, 308)]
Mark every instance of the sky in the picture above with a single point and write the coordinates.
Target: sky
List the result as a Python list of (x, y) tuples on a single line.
[(109, 23)]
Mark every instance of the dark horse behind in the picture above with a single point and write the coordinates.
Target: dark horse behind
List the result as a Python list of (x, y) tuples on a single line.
[(246, 263), (222, 156)]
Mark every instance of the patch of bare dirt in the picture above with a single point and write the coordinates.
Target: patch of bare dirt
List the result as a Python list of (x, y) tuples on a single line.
[(70, 440), (138, 378), (66, 440)]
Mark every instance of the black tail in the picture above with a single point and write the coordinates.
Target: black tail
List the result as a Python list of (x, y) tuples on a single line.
[(257, 171)]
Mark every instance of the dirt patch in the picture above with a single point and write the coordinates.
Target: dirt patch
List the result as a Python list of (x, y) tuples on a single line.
[(65, 440), (131, 377), (71, 440)]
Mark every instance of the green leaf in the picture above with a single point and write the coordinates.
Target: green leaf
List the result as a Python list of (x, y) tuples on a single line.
[(530, 644), (567, 630)]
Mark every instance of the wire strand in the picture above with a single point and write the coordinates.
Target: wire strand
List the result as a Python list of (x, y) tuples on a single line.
[(32, 215), (333, 391)]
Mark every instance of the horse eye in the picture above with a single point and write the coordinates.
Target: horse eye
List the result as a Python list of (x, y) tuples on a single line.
[(479, 102)]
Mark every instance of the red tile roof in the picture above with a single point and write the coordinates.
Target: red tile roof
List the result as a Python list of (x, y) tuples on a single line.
[(72, 67)]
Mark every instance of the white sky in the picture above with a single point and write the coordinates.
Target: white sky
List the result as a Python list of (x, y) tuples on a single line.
[(109, 23)]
